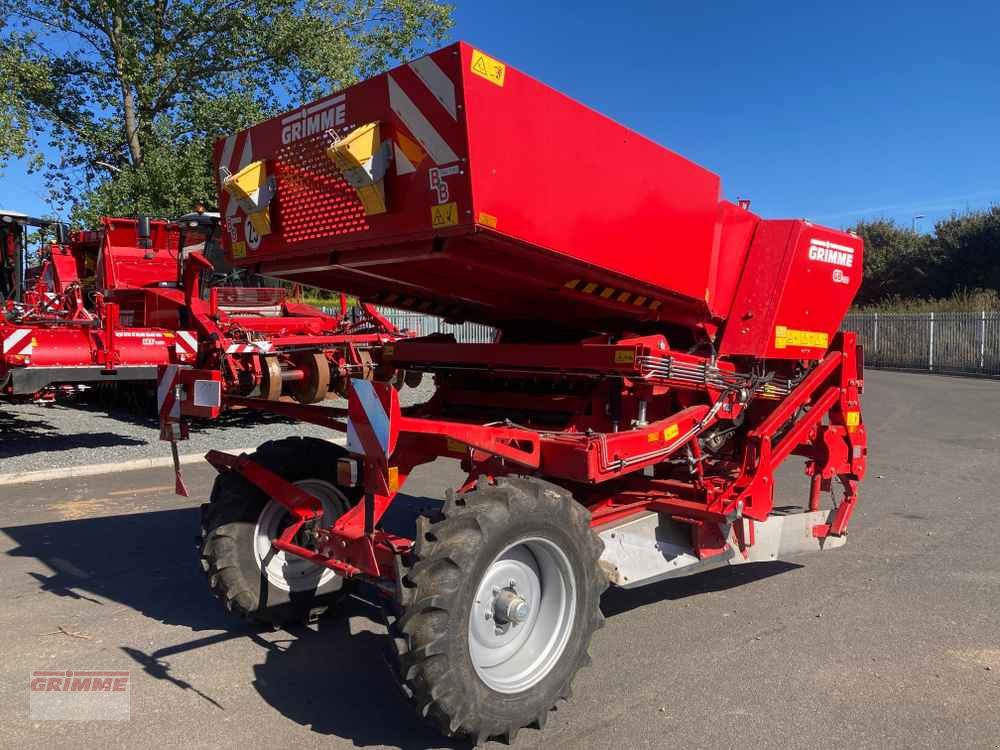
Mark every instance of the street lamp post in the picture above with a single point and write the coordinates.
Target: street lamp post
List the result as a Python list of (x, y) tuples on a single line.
[(913, 221)]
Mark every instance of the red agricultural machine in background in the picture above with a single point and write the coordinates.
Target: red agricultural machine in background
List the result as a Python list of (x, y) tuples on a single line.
[(661, 352), (117, 303)]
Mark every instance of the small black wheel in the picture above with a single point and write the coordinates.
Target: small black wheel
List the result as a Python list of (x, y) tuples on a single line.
[(499, 607), (239, 523)]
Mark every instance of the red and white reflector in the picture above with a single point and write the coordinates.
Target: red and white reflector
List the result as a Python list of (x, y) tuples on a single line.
[(168, 404), (372, 430), (372, 419), (186, 343), (20, 341), (254, 347)]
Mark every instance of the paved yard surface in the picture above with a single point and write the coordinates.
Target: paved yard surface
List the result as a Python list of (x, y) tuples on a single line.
[(93, 429), (891, 642)]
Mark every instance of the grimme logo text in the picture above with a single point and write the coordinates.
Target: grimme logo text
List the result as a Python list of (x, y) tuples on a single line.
[(830, 252), (313, 119), (69, 681)]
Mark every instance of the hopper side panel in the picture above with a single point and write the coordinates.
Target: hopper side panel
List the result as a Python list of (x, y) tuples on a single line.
[(550, 172)]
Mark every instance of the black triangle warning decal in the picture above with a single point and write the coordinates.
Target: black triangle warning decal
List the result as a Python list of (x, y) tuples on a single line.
[(480, 66)]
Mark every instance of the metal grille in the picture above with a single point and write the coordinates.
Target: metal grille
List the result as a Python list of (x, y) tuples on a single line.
[(228, 296), (423, 325), (313, 199), (957, 343)]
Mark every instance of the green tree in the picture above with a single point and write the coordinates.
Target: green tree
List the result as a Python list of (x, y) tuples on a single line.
[(118, 102), (898, 262), (969, 245)]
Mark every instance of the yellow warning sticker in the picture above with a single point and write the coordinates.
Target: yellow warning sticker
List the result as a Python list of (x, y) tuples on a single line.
[(487, 220), (786, 337), (486, 67), (853, 418), (239, 249), (393, 478), (455, 446), (669, 433), (445, 215), (624, 356)]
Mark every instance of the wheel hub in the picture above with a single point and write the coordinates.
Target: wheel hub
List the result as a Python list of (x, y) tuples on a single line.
[(291, 572), (509, 607), (522, 615)]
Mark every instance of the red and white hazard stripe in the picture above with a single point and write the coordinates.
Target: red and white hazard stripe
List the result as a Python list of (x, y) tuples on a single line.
[(186, 342), (19, 342), (419, 125), (254, 347), (370, 428), (167, 404), (422, 97)]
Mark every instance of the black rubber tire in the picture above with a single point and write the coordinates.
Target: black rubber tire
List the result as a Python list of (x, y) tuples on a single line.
[(430, 629), (228, 526)]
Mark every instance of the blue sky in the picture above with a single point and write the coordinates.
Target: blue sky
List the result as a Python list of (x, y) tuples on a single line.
[(832, 111)]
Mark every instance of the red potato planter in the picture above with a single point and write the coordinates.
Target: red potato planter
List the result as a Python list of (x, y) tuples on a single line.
[(121, 302), (660, 353)]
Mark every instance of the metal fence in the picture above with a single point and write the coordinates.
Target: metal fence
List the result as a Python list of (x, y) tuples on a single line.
[(958, 343), (423, 325)]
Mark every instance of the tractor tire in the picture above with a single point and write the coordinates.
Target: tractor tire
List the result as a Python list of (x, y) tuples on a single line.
[(239, 522), (498, 608)]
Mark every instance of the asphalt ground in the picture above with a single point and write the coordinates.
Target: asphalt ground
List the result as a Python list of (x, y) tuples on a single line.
[(101, 428), (890, 642)]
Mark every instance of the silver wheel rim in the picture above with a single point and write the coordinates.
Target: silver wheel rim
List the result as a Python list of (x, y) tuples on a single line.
[(291, 572), (522, 615)]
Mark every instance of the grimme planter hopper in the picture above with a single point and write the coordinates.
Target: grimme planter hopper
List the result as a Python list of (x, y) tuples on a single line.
[(661, 353), (118, 303)]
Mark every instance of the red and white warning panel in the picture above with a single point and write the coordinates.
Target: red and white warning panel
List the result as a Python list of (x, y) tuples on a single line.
[(373, 418), (186, 343), (182, 391), (18, 341)]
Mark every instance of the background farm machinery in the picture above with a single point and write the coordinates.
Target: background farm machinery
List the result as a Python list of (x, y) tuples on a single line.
[(115, 304), (661, 353)]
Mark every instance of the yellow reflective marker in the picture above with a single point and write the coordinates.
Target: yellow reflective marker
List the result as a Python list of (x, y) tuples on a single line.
[(253, 190), (486, 67), (445, 215), (362, 158), (785, 337), (624, 356), (393, 478), (488, 220)]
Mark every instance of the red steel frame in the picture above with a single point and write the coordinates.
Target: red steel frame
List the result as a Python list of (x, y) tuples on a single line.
[(615, 474), (509, 204)]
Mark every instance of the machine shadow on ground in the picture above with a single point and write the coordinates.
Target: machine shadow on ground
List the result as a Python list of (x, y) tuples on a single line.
[(20, 436), (304, 672)]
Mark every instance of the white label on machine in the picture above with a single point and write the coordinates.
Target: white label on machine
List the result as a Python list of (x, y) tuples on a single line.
[(208, 393), (826, 251)]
